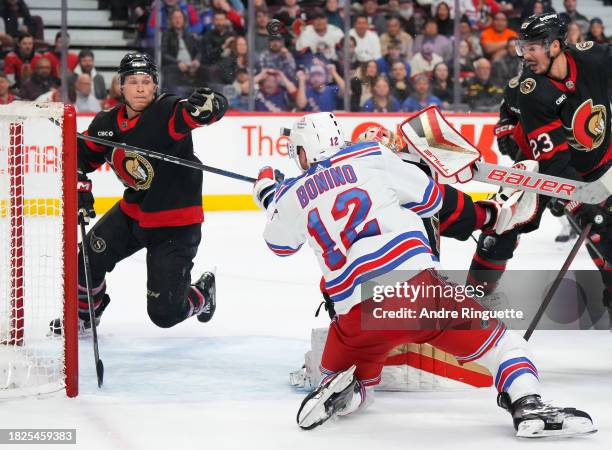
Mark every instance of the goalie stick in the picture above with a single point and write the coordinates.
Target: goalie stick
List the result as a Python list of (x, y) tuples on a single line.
[(428, 134)]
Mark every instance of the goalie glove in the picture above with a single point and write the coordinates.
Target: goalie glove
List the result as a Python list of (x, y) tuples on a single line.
[(265, 186), (206, 105), (85, 198), (449, 155)]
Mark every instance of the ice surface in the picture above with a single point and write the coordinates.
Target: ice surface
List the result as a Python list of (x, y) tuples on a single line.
[(224, 385)]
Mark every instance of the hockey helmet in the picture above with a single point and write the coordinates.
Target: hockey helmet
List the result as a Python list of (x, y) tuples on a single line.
[(137, 63), (319, 134), (544, 28)]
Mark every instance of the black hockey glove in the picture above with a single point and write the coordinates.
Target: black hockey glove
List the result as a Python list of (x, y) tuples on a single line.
[(85, 198), (599, 215), (557, 207), (206, 105), (505, 142)]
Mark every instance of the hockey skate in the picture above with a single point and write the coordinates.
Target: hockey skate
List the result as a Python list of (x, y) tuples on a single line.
[(327, 400), (206, 286), (84, 325), (536, 419), (567, 233)]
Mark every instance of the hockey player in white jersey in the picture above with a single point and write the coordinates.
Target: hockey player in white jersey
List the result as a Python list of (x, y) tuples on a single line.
[(360, 208)]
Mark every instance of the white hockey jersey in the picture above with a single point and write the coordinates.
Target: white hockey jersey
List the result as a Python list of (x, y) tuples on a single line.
[(360, 211)]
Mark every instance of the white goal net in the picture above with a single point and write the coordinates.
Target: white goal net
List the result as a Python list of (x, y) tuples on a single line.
[(37, 248)]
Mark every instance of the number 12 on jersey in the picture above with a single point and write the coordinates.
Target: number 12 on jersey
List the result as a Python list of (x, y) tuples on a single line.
[(360, 201)]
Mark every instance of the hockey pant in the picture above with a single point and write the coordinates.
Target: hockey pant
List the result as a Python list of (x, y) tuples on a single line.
[(354, 338), (170, 253)]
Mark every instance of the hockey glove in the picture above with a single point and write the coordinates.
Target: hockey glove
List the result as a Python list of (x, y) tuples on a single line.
[(85, 198), (599, 215), (505, 142), (265, 186), (557, 207), (512, 208), (206, 105)]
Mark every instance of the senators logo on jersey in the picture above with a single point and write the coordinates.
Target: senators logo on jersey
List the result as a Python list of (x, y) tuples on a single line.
[(132, 169), (588, 128)]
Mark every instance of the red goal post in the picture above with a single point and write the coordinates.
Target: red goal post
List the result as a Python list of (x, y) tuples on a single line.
[(38, 249)]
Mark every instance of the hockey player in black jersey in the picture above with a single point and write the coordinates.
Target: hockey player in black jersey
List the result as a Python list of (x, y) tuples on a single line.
[(564, 124), (161, 208)]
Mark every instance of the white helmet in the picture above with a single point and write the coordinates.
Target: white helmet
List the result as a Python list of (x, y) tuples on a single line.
[(319, 134)]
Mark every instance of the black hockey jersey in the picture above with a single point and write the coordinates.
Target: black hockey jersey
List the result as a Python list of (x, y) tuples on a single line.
[(158, 193), (567, 123)]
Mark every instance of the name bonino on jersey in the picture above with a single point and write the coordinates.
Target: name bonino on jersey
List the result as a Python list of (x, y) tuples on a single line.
[(323, 181)]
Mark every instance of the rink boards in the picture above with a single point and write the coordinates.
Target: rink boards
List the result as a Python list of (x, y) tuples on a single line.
[(243, 143)]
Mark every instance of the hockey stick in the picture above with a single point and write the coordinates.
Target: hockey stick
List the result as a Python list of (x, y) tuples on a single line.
[(593, 193), (167, 158), (92, 315), (161, 156), (576, 228), (557, 281), (428, 134)]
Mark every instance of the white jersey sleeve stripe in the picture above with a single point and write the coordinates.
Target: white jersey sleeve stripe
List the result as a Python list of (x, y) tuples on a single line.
[(282, 250), (431, 199)]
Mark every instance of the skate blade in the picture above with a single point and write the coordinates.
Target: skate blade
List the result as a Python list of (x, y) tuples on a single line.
[(575, 426), (318, 413)]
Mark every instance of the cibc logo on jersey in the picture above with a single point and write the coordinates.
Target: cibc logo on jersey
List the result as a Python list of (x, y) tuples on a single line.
[(132, 169), (588, 128)]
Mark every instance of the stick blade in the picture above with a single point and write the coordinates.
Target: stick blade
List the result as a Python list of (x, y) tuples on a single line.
[(100, 372)]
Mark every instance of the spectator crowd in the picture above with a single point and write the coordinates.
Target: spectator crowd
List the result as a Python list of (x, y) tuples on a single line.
[(400, 52)]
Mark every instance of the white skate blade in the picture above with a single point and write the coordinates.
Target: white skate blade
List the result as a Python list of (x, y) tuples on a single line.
[(314, 410), (572, 426)]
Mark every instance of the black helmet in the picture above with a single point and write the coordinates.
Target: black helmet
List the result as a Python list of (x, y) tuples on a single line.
[(543, 27), (137, 63)]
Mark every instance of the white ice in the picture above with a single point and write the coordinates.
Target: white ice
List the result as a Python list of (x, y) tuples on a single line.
[(224, 385)]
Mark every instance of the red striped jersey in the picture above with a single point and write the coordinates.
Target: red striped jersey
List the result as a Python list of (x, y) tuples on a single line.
[(567, 122), (158, 193)]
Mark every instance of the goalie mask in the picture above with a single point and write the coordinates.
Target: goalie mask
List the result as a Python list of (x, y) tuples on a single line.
[(319, 135)]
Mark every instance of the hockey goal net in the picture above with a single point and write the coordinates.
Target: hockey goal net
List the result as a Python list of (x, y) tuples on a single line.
[(38, 249)]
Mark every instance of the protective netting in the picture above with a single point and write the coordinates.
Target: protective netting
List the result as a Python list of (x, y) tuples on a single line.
[(31, 250)]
